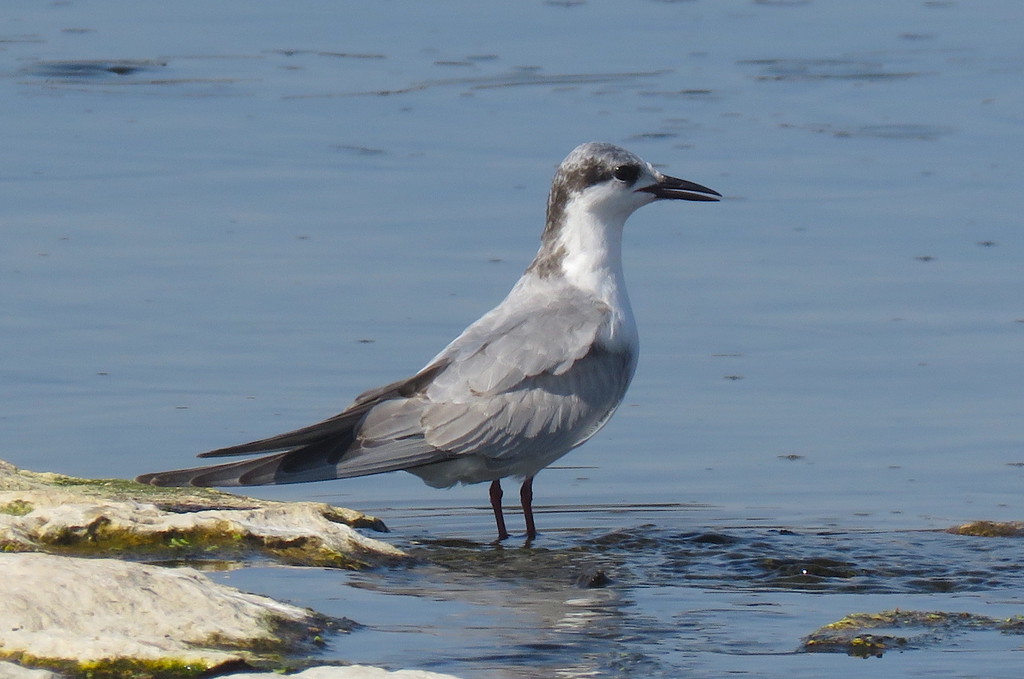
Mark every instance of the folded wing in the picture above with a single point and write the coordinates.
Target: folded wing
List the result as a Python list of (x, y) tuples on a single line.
[(511, 385)]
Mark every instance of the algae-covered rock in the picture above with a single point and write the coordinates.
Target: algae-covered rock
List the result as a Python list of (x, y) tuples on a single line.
[(65, 515), (104, 617), (990, 529), (171, 499), (872, 634)]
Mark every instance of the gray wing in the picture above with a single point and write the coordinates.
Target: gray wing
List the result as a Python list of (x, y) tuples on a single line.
[(543, 380), (523, 378), (527, 427), (520, 387)]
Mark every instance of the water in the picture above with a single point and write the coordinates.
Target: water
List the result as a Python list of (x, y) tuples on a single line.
[(223, 220)]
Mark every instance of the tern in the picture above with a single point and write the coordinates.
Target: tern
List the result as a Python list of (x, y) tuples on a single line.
[(532, 379)]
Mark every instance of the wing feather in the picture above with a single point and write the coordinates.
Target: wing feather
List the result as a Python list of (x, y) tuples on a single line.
[(545, 412)]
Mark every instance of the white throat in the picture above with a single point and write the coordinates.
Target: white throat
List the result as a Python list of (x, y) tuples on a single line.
[(591, 240)]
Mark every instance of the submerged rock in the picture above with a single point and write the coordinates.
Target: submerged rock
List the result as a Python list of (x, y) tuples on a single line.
[(872, 634), (107, 617), (64, 515)]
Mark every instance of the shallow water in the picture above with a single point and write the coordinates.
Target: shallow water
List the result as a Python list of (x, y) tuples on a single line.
[(222, 221), (653, 601)]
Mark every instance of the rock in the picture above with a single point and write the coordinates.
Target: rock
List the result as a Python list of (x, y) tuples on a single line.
[(11, 671), (65, 515), (108, 618), (872, 634), (88, 615), (990, 529)]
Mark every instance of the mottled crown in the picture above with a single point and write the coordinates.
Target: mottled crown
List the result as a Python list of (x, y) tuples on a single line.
[(588, 164)]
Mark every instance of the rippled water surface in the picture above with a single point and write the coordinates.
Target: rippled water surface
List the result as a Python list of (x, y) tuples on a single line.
[(223, 220), (653, 601)]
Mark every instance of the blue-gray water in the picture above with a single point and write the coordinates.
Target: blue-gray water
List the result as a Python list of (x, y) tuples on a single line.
[(223, 220)]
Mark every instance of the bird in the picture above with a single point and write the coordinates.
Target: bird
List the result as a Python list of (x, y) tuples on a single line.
[(529, 381)]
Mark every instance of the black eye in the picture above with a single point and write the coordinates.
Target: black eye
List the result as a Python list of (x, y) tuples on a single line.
[(626, 173)]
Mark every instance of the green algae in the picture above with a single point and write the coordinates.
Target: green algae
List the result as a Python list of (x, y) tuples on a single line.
[(119, 668), (102, 538), (216, 542), (16, 508)]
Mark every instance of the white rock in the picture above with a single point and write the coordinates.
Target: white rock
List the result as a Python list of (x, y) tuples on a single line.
[(9, 670), (59, 518), (82, 610), (94, 609), (43, 511)]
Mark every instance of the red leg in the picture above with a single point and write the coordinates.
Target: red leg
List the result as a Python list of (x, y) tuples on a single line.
[(499, 518), (526, 496)]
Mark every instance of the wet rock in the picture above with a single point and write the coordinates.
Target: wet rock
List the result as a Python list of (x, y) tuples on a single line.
[(64, 515), (872, 634), (103, 616), (592, 578), (990, 529), (807, 569)]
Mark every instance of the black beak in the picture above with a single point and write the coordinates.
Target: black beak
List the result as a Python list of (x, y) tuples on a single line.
[(670, 187)]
